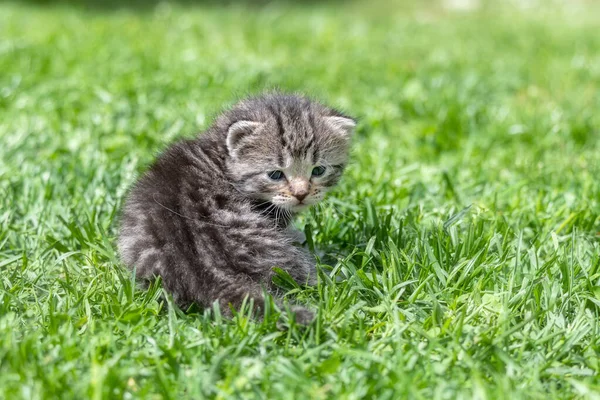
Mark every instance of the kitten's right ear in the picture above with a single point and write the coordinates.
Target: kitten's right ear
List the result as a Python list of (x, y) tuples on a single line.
[(343, 125), (237, 132)]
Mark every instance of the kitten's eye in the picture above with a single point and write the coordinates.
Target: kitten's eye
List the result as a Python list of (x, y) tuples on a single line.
[(318, 171), (276, 175)]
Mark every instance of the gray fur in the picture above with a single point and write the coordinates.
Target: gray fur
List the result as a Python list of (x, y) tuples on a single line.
[(207, 218)]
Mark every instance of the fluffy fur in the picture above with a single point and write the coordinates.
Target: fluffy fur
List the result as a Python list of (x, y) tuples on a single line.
[(211, 215)]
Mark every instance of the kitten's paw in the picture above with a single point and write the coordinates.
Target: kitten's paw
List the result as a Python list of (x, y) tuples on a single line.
[(303, 316)]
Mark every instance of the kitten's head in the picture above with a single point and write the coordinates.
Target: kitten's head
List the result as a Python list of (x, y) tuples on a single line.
[(286, 149)]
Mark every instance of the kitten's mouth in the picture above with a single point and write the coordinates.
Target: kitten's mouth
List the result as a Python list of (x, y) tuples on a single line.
[(300, 206)]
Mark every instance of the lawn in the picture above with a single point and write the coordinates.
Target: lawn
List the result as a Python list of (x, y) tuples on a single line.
[(466, 231)]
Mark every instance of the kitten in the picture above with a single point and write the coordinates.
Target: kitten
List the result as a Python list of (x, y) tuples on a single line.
[(211, 215)]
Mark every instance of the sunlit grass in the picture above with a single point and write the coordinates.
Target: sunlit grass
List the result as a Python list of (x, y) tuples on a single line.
[(463, 244)]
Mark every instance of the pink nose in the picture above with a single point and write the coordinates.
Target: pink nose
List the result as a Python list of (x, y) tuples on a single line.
[(300, 188), (301, 195)]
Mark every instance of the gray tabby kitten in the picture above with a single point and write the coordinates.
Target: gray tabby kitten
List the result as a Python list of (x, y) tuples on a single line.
[(211, 215)]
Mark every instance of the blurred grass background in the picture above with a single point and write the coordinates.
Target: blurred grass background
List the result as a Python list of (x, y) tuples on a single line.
[(466, 229)]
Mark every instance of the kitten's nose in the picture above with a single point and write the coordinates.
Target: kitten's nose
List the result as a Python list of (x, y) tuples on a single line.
[(301, 195), (300, 188)]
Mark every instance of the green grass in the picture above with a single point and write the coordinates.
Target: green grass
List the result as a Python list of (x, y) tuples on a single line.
[(467, 228)]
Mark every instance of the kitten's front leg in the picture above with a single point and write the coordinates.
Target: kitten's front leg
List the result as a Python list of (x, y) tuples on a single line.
[(309, 268), (301, 266), (296, 235)]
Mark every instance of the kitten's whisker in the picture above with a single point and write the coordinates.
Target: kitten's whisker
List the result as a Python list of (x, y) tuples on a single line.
[(266, 211), (262, 203)]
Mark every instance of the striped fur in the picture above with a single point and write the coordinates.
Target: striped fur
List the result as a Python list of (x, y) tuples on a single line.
[(208, 219)]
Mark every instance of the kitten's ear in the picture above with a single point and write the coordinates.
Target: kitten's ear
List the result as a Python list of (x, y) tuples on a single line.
[(237, 131), (343, 125)]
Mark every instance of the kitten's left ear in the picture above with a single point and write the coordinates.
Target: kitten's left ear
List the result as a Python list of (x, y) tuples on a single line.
[(237, 132), (343, 125)]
